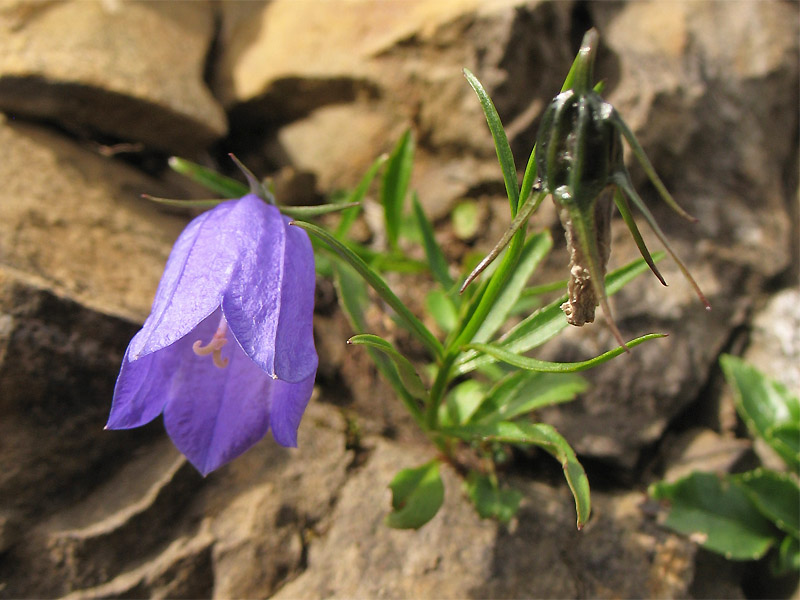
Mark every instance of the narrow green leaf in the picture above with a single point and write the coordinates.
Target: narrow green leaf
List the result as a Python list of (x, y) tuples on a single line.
[(764, 405), (501, 145), (417, 495), (533, 392), (788, 558), (547, 322), (358, 195), (395, 185), (490, 501), (208, 203), (442, 309), (463, 400), (436, 259), (542, 366), (379, 285), (775, 495), (406, 371), (533, 252), (354, 300), (219, 184), (716, 514), (306, 212), (545, 437)]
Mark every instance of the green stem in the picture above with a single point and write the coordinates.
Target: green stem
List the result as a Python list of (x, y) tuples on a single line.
[(453, 349)]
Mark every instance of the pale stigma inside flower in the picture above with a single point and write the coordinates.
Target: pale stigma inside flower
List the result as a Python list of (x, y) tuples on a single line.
[(214, 347)]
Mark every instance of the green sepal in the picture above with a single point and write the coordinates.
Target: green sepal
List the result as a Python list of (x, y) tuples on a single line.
[(211, 180), (405, 370), (295, 212), (417, 495)]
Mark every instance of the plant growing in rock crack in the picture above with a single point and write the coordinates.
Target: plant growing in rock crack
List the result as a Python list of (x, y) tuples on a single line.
[(243, 269), (756, 513)]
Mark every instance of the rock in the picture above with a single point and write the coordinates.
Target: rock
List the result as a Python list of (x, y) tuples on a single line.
[(344, 99), (458, 555), (774, 349), (703, 450), (129, 70), (704, 108), (75, 220)]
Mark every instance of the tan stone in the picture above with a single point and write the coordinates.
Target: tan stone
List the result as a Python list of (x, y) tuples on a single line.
[(129, 69), (75, 219)]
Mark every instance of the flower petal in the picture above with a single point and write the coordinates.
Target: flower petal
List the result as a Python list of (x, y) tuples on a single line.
[(213, 415), (288, 401), (198, 271), (269, 303)]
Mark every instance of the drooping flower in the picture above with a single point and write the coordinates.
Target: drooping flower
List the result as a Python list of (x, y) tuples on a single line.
[(228, 350)]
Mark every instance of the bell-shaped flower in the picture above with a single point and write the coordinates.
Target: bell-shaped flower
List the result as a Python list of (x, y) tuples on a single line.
[(228, 350)]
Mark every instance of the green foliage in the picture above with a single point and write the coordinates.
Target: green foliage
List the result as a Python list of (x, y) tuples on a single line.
[(742, 516), (477, 392), (489, 499), (417, 495)]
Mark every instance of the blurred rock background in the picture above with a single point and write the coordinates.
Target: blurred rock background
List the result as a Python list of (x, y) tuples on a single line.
[(94, 97)]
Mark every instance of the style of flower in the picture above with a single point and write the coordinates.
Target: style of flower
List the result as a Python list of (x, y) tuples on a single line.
[(228, 350)]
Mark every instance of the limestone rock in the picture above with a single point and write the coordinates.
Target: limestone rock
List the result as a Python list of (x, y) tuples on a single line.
[(127, 69), (344, 98), (75, 220), (457, 555), (704, 107)]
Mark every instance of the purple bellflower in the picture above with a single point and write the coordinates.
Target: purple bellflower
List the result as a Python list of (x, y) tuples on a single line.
[(228, 350)]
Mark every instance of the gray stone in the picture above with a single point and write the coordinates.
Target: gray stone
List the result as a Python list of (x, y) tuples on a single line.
[(704, 115), (130, 70)]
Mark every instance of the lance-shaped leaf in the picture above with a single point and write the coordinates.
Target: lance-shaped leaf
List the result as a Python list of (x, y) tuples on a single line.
[(354, 300), (379, 285), (217, 183), (433, 252), (788, 558), (533, 252), (441, 307), (547, 322), (417, 495), (716, 514), (461, 402), (357, 196), (522, 392), (543, 366), (545, 437), (501, 145), (295, 212), (405, 370), (764, 405), (395, 185)]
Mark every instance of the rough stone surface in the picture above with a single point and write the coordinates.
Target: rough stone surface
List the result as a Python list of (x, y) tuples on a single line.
[(75, 219), (457, 555), (738, 186), (126, 69), (711, 88)]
